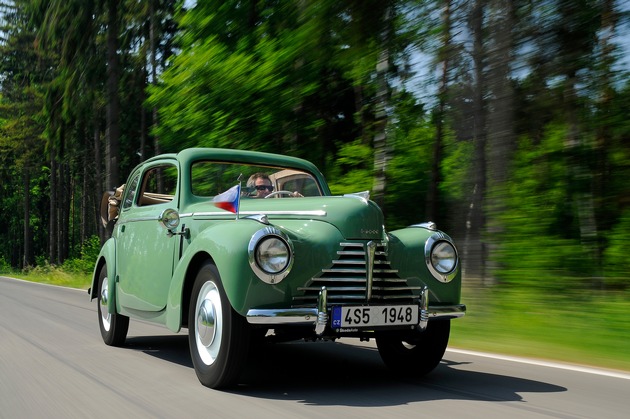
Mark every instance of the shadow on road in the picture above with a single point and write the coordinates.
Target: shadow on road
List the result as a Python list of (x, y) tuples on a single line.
[(329, 374)]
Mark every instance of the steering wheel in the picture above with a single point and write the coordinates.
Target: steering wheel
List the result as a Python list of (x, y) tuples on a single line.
[(278, 193)]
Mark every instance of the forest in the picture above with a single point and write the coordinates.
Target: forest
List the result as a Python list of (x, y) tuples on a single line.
[(503, 121)]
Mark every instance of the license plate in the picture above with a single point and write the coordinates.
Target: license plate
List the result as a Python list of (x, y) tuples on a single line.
[(374, 316)]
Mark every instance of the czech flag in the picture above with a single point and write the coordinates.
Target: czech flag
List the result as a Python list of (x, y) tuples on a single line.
[(229, 200)]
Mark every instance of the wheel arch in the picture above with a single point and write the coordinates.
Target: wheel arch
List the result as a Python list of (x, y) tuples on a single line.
[(181, 290)]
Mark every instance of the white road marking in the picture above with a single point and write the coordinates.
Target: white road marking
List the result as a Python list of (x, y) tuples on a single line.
[(577, 368)]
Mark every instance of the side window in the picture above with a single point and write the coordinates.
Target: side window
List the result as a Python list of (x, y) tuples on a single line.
[(159, 185), (305, 185), (130, 192), (211, 178)]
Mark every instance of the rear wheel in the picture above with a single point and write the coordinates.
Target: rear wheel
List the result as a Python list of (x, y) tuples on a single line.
[(218, 336), (113, 326), (417, 353)]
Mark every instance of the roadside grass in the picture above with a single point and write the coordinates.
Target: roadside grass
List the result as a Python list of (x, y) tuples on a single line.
[(587, 327), (53, 275)]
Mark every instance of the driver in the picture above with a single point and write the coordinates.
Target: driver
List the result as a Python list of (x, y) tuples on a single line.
[(260, 184)]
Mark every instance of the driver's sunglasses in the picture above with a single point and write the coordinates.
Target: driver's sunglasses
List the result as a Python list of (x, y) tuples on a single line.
[(263, 187)]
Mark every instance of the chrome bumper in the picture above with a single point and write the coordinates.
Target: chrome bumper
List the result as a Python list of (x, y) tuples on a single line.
[(318, 317)]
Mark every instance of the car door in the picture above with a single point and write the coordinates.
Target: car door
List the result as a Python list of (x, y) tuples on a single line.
[(145, 251)]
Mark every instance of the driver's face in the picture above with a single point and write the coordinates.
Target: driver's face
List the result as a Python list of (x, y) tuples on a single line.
[(263, 187)]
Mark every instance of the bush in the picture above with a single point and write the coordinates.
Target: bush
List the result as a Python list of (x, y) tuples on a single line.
[(5, 267), (84, 264)]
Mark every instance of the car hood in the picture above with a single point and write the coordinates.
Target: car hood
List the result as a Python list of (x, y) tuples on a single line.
[(354, 217)]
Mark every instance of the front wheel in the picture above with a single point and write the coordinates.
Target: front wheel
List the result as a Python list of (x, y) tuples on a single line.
[(415, 354), (113, 326), (218, 336)]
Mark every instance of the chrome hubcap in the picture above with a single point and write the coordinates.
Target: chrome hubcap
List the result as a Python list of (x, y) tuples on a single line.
[(209, 323), (205, 323), (105, 316)]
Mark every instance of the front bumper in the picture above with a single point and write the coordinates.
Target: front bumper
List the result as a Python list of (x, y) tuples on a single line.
[(318, 317)]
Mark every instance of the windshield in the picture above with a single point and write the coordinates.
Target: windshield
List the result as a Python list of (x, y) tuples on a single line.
[(210, 178)]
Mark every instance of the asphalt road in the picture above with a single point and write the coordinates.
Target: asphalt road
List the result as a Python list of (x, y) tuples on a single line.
[(53, 364)]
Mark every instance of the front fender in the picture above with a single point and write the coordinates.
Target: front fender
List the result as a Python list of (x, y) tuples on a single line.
[(226, 244), (407, 255), (107, 256)]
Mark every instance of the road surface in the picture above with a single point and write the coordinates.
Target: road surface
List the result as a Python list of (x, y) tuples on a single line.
[(53, 364)]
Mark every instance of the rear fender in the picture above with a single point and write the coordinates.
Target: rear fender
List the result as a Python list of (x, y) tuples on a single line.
[(107, 256)]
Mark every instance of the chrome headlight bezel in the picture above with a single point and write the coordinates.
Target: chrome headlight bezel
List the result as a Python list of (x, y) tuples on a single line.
[(441, 257), (266, 244)]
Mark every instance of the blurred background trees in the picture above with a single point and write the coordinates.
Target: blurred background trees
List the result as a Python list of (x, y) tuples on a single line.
[(503, 121)]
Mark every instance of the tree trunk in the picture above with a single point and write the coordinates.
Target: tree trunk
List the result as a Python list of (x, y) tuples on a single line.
[(84, 196), (381, 147), (474, 246), (53, 232), (98, 177), (28, 250), (436, 161), (63, 204), (113, 107), (500, 125), (604, 172), (581, 179)]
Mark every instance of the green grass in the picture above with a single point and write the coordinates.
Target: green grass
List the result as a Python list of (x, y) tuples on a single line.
[(586, 327), (54, 276)]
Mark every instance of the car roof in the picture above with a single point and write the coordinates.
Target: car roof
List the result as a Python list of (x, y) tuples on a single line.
[(245, 156), (188, 156)]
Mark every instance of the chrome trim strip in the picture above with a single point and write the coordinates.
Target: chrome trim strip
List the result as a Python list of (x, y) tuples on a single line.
[(447, 312), (282, 316), (315, 213), (424, 309), (430, 225), (322, 312), (132, 220), (369, 262)]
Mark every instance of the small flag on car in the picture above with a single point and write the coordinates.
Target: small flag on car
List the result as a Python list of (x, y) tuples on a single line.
[(229, 200)]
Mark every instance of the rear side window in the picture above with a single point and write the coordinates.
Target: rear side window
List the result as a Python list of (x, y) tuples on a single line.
[(130, 192), (159, 185)]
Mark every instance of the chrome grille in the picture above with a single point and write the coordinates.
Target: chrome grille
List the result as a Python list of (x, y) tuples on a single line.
[(347, 279)]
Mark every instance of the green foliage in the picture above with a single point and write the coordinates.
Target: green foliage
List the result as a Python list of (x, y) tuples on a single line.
[(88, 252), (352, 170), (616, 261), (5, 267), (408, 174)]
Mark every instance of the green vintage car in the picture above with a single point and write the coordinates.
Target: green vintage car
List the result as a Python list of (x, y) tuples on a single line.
[(195, 245)]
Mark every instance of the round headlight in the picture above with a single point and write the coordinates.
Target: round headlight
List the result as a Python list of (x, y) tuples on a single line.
[(444, 257), (272, 255), (441, 257)]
